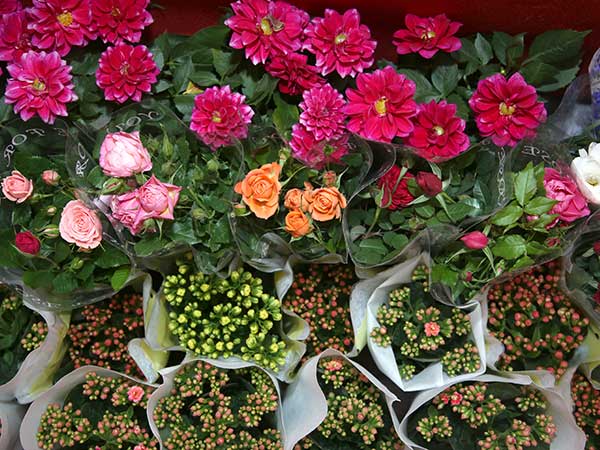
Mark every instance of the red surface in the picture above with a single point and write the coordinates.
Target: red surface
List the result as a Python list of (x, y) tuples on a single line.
[(385, 16)]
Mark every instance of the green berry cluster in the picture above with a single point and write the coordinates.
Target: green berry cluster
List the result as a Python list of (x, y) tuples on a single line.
[(217, 409), (217, 317), (422, 330)]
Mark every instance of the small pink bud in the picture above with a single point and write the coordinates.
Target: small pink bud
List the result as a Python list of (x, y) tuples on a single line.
[(50, 177)]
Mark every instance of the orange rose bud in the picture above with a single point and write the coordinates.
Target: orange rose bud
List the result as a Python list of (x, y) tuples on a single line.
[(329, 178), (293, 199), (297, 223), (327, 203), (260, 190)]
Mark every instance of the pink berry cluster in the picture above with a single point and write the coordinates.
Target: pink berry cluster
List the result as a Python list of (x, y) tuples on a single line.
[(586, 409), (213, 408), (320, 294), (101, 413), (100, 333), (494, 416), (356, 411), (422, 331), (536, 321)]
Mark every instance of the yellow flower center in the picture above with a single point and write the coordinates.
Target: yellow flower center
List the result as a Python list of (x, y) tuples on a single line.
[(592, 180), (216, 117), (438, 130), (380, 106), (340, 38), (429, 34), (38, 85), (65, 19), (265, 26), (506, 110), (116, 12)]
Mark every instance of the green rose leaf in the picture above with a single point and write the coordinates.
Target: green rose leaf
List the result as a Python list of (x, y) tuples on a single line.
[(525, 184), (539, 206), (120, 277), (444, 274), (64, 283), (507, 215), (509, 247)]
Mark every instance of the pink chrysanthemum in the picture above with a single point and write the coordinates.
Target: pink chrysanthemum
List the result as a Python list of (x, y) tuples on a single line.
[(266, 28), (507, 110), (116, 21), (126, 72), (322, 112), (427, 35), (340, 43), (15, 38), (438, 135), (317, 153), (220, 116), (60, 24), (382, 106), (10, 6), (40, 83), (294, 73)]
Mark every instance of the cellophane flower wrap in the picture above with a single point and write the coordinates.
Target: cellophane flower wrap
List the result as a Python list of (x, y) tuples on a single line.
[(11, 415)]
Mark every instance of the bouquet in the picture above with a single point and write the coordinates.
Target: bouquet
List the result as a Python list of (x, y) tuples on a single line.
[(586, 410), (205, 404)]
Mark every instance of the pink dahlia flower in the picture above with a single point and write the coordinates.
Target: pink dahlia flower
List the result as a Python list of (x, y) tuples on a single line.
[(266, 28), (15, 38), (317, 153), (220, 116), (507, 110), (427, 35), (294, 73), (340, 43), (438, 135), (382, 106), (60, 24), (126, 72), (10, 6), (116, 21), (322, 112), (40, 83)]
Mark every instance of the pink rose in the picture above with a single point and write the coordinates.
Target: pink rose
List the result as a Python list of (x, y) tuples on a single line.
[(135, 394), (123, 155), (50, 177), (475, 240), (158, 198), (571, 205), (16, 187), (126, 208), (80, 225)]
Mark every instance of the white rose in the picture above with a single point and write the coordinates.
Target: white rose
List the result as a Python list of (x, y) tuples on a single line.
[(586, 170)]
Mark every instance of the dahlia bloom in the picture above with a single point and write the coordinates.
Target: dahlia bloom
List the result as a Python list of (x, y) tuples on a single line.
[(10, 6), (507, 110), (266, 29), (220, 116), (382, 106), (317, 153), (15, 38), (294, 73), (322, 112), (116, 21), (60, 24), (126, 72), (427, 35), (40, 83), (438, 135), (395, 189), (340, 43)]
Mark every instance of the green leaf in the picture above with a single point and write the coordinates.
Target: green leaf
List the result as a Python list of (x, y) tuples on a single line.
[(212, 37), (225, 62), (184, 104), (444, 274), (111, 257), (425, 91), (525, 184), (61, 252), (510, 247), (148, 246), (557, 47), (204, 78), (374, 245), (507, 215), (523, 261), (284, 116), (462, 108), (120, 277), (536, 248), (38, 278), (508, 48), (64, 283), (445, 79), (395, 240), (539, 206), (183, 231), (484, 49), (548, 78), (468, 54), (182, 74)]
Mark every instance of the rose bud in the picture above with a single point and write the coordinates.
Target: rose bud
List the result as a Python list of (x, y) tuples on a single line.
[(51, 211), (597, 248), (50, 177), (26, 242), (475, 240), (51, 231), (112, 185), (329, 178), (429, 183), (240, 210), (212, 165)]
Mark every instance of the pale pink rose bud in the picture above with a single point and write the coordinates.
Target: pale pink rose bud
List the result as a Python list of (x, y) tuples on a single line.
[(50, 177), (158, 198), (123, 155), (475, 240), (135, 394), (80, 225), (16, 187)]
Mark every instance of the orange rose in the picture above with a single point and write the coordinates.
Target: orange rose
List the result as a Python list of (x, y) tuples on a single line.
[(327, 203), (293, 199), (260, 190), (297, 223), (307, 195)]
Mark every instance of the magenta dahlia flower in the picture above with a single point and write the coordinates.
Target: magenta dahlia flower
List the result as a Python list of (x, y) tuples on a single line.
[(294, 73), (10, 6), (382, 106), (340, 43), (40, 83), (15, 38), (427, 35), (220, 116), (438, 135), (116, 21), (322, 112), (507, 110), (317, 153), (126, 72), (60, 24), (266, 29)]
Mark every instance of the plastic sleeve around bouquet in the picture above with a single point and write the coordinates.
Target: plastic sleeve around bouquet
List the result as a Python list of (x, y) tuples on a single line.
[(305, 405), (588, 357), (574, 114), (168, 376), (57, 394), (11, 415), (568, 435)]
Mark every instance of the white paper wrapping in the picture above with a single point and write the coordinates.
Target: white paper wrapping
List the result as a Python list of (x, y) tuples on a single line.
[(11, 415), (168, 376), (589, 356)]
